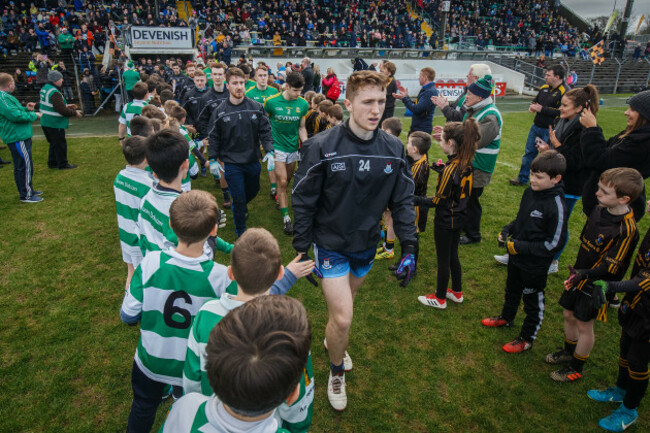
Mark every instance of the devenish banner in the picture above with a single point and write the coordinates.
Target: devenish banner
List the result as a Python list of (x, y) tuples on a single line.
[(161, 37)]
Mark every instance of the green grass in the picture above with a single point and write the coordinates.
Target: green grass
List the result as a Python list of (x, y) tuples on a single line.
[(66, 358)]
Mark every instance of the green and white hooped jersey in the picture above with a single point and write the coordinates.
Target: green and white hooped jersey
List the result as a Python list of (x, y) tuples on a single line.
[(168, 289), (153, 221), (194, 167), (130, 186), (196, 413), (131, 110), (50, 118), (295, 418)]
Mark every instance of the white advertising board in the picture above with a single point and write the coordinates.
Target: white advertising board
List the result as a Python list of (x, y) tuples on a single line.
[(161, 38)]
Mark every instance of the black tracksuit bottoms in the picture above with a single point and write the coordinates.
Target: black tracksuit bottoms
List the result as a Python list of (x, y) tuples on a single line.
[(447, 254), (58, 155), (522, 283)]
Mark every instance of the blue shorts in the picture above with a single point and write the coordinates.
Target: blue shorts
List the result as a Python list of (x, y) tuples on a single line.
[(333, 264)]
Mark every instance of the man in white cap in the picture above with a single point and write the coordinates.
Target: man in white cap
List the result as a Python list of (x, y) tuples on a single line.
[(55, 114)]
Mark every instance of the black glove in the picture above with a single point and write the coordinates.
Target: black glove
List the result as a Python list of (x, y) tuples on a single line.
[(577, 275)]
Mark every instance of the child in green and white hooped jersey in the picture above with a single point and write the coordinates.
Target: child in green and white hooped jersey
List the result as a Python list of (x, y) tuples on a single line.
[(167, 154), (130, 186), (177, 121), (254, 249), (256, 358), (166, 292)]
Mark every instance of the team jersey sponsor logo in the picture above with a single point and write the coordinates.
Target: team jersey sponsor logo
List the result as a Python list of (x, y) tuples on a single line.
[(327, 155), (226, 118), (536, 214), (389, 168), (326, 264), (338, 166)]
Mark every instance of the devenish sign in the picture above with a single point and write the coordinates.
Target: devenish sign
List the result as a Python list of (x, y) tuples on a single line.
[(452, 89), (161, 37)]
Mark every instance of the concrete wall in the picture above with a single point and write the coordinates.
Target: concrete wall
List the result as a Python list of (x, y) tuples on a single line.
[(409, 70)]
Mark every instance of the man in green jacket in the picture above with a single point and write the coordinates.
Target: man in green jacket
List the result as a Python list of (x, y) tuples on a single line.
[(16, 132), (66, 42)]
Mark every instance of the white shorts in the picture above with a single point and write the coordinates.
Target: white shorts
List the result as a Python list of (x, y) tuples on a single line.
[(287, 158)]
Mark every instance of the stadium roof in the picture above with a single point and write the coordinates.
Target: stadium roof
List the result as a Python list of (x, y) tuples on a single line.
[(597, 8)]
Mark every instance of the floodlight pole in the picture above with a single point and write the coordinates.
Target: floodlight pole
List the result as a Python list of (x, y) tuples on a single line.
[(626, 17), (446, 6)]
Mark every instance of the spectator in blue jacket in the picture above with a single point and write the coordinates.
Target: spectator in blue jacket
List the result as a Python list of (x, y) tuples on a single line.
[(43, 38), (423, 107)]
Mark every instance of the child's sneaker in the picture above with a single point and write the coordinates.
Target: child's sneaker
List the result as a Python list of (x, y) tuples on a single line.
[(431, 300), (559, 357), (613, 394), (553, 268), (383, 253), (496, 322), (620, 419), (615, 303), (347, 359), (32, 199), (502, 259), (517, 345), (566, 374), (336, 391), (456, 297)]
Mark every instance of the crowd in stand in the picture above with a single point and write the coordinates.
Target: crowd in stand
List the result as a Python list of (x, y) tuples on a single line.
[(537, 26)]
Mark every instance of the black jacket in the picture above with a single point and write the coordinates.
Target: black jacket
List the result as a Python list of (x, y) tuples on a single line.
[(191, 103), (550, 100), (576, 173), (237, 132), (599, 155), (539, 230), (308, 74), (209, 102), (342, 187)]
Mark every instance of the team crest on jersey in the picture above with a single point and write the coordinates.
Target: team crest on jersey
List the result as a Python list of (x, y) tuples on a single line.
[(389, 168), (600, 239), (254, 116), (647, 255), (326, 264), (297, 109)]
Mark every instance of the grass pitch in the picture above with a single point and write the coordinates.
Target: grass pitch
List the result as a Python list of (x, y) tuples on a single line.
[(66, 358)]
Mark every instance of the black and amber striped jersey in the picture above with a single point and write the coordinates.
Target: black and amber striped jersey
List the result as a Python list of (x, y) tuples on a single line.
[(637, 288), (420, 172), (314, 123), (607, 243), (452, 195)]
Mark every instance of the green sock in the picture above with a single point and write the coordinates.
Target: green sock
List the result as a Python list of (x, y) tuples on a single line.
[(274, 186), (284, 211)]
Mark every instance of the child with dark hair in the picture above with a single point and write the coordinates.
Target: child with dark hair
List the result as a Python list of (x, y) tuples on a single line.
[(257, 268), (607, 244), (166, 292), (459, 141), (532, 240), (267, 334), (167, 155), (130, 186)]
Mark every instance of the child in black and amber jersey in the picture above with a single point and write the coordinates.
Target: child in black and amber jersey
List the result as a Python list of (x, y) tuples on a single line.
[(606, 246), (634, 318), (459, 141)]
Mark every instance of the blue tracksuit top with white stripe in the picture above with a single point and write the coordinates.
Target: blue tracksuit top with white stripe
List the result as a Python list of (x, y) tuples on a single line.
[(539, 230)]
